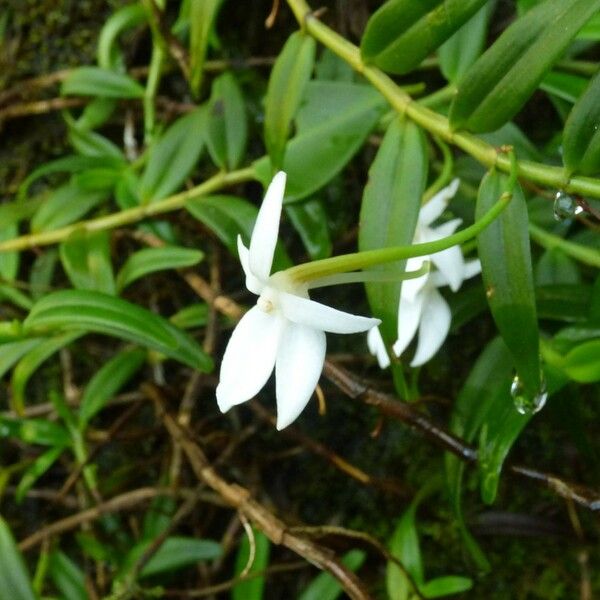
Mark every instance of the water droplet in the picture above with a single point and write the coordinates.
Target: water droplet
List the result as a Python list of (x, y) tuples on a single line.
[(565, 206), (525, 403)]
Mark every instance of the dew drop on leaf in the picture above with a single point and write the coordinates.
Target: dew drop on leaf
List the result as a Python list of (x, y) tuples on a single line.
[(565, 206), (525, 403)]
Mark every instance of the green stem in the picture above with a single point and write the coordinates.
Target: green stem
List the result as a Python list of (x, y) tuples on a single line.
[(588, 256), (370, 258), (131, 215), (435, 123)]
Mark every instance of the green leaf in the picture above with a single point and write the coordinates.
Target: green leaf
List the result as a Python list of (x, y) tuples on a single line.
[(85, 256), (446, 586), (459, 52), (488, 381), (252, 589), (107, 381), (290, 74), (14, 579), (67, 577), (150, 260), (310, 221), (90, 143), (175, 553), (195, 315), (64, 206), (324, 586), (501, 81), (390, 208), (30, 363), (95, 81), (562, 302), (67, 164), (581, 141), (174, 156), (582, 363), (502, 426), (203, 14), (332, 124), (556, 268), (402, 33), (39, 466), (504, 250), (42, 272), (228, 217), (11, 352), (9, 261), (405, 546), (34, 431), (96, 113), (127, 17), (77, 310), (11, 294), (227, 126), (567, 86)]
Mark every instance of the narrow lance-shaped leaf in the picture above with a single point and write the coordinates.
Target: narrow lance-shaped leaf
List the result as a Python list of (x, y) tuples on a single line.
[(30, 363), (95, 81), (310, 221), (504, 250), (14, 579), (106, 382), (174, 156), (227, 127), (202, 18), (581, 141), (82, 310), (332, 124), (325, 587), (487, 384), (287, 83), (39, 466), (150, 260), (402, 33), (253, 588), (459, 52), (85, 256), (65, 205), (67, 576), (389, 211), (108, 54), (500, 82)]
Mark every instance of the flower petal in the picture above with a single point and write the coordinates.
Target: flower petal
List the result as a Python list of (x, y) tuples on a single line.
[(450, 262), (252, 283), (435, 207), (266, 229), (409, 314), (377, 347), (433, 328), (319, 316), (299, 364), (249, 357), (411, 287), (472, 268)]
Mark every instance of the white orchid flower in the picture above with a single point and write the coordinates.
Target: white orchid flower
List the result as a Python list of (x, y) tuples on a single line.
[(285, 330), (422, 308)]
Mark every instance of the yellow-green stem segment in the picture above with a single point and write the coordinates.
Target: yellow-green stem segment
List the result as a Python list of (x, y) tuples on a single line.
[(131, 215), (370, 258), (433, 122)]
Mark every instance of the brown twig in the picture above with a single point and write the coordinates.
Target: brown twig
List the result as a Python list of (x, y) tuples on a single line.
[(39, 107), (389, 405), (240, 498), (118, 503)]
